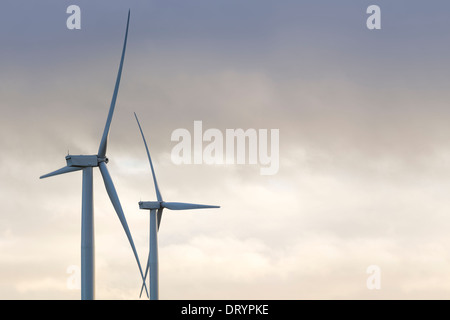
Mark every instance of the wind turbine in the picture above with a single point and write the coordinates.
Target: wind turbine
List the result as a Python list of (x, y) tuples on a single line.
[(156, 208), (86, 163)]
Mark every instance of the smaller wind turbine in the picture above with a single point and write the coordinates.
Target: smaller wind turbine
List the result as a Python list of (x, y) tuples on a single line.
[(156, 209)]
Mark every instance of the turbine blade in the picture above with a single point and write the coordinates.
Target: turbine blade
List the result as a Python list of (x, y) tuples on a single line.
[(158, 193), (60, 171), (145, 275), (159, 215), (185, 206), (112, 193), (104, 141), (147, 268)]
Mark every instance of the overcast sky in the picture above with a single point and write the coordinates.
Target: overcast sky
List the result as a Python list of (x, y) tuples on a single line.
[(364, 156)]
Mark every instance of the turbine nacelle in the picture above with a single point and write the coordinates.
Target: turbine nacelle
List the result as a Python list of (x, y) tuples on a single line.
[(150, 205), (84, 161)]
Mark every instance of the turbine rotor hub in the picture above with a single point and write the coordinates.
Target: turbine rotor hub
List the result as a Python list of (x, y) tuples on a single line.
[(104, 159)]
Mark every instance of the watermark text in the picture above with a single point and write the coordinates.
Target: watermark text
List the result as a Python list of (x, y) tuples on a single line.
[(235, 146)]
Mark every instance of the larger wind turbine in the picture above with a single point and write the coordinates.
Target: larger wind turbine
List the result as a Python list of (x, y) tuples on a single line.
[(156, 208), (86, 163)]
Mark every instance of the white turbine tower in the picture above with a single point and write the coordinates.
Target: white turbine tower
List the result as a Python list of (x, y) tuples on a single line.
[(86, 163), (156, 209)]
